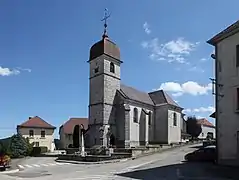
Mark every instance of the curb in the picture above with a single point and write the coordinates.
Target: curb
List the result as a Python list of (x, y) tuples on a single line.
[(125, 159), (90, 163), (10, 171), (162, 150)]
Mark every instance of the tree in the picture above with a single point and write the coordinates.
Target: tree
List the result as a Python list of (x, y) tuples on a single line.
[(19, 146), (193, 127), (4, 144), (3, 149)]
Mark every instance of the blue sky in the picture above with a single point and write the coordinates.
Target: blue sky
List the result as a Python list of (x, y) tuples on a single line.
[(44, 46)]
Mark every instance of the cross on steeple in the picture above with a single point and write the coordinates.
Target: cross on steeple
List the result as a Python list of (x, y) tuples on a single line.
[(106, 16)]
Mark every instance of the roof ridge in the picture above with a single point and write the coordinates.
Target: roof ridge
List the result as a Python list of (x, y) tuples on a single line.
[(42, 120), (155, 91), (31, 120), (164, 96)]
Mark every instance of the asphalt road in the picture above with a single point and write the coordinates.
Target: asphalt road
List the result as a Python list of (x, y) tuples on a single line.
[(167, 165)]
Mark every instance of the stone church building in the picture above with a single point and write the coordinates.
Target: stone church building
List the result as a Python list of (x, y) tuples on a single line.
[(123, 116)]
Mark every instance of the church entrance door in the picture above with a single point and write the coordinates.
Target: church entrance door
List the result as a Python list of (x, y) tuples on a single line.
[(112, 140)]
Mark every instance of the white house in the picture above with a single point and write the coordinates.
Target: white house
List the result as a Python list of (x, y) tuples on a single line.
[(208, 129), (38, 132), (226, 57)]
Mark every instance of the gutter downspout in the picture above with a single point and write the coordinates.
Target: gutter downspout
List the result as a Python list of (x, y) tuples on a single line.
[(216, 103)]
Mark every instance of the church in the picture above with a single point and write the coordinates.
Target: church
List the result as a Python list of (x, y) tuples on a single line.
[(120, 115)]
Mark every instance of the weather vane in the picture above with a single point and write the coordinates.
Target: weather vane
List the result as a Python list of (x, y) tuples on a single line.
[(106, 16)]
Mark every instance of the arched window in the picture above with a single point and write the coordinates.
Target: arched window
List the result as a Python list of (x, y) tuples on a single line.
[(112, 67), (150, 118), (175, 119), (96, 69), (135, 115)]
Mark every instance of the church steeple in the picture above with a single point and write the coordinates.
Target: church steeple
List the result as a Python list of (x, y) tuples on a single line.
[(105, 45), (106, 16), (104, 77)]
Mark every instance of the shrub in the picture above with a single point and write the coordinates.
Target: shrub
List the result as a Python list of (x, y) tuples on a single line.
[(43, 149), (19, 147), (38, 150)]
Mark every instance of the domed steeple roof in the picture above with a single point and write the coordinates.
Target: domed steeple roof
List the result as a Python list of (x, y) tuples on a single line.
[(104, 46)]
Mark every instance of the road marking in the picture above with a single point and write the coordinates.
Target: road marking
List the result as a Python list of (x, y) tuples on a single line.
[(52, 164), (40, 165), (60, 164), (66, 163), (20, 166), (94, 177), (28, 166), (137, 166)]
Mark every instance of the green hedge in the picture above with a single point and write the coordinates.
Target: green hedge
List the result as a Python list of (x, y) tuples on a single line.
[(38, 150)]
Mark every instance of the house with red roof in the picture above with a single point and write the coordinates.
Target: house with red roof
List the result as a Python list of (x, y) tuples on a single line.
[(38, 131), (70, 132), (208, 129)]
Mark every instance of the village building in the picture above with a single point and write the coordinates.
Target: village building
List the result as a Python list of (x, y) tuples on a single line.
[(38, 131), (120, 115), (208, 129), (226, 82), (185, 137), (70, 132)]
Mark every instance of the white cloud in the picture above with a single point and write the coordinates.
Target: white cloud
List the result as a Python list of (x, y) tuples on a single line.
[(189, 87), (24, 69), (208, 109), (200, 117), (172, 51), (196, 69), (8, 72), (146, 28), (203, 59)]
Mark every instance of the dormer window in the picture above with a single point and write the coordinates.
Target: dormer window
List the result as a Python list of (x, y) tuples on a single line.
[(112, 67)]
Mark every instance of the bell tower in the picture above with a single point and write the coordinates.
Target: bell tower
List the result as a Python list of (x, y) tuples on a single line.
[(104, 63)]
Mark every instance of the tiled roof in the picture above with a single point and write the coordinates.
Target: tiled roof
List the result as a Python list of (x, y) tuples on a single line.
[(205, 122), (68, 127), (223, 34), (153, 98), (36, 122), (136, 95), (161, 97)]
